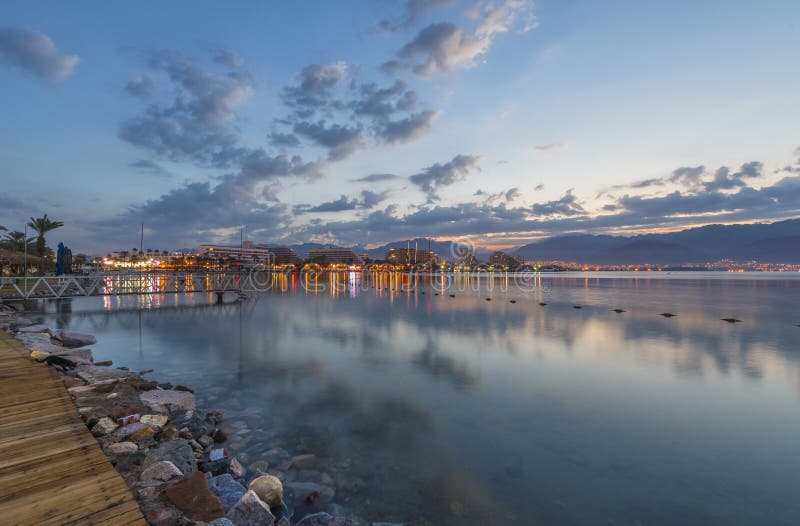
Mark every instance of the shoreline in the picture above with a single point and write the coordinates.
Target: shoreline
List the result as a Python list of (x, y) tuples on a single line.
[(171, 454)]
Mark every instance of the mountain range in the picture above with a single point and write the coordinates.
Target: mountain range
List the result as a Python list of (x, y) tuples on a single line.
[(777, 242)]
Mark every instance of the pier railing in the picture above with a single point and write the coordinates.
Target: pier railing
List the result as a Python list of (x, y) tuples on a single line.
[(114, 283)]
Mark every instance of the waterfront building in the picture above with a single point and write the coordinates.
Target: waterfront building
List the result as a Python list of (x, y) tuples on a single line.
[(246, 253), (334, 255), (281, 255), (411, 256), (501, 259)]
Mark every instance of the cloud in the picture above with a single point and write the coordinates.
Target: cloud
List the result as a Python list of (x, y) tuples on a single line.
[(35, 54), (278, 139), (408, 128), (198, 124), (315, 85), (441, 47), (567, 205), (538, 188), (140, 86), (149, 167), (725, 180), (376, 178), (548, 147), (445, 47), (227, 58), (381, 103), (367, 200), (438, 176), (412, 10), (513, 194), (340, 140), (687, 175)]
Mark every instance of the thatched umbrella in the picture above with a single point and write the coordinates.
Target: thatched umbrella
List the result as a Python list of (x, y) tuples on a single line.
[(17, 259)]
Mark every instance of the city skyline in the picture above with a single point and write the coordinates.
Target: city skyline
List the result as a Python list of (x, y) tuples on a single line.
[(366, 123)]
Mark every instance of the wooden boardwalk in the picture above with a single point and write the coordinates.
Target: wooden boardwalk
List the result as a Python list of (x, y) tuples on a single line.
[(52, 470)]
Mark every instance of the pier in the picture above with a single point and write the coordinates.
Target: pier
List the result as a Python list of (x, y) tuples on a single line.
[(52, 470)]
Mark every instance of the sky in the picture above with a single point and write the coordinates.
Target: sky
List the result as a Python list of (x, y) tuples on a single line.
[(363, 122)]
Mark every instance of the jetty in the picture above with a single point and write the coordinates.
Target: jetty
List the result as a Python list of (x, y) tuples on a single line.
[(52, 470)]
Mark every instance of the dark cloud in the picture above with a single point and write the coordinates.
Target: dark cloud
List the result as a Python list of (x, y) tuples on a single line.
[(687, 175), (412, 10), (198, 124), (367, 200), (227, 58), (512, 194), (567, 205), (438, 176), (548, 147), (35, 54), (408, 128), (149, 167), (140, 86), (725, 180), (381, 103), (376, 178), (288, 140), (340, 140), (538, 188)]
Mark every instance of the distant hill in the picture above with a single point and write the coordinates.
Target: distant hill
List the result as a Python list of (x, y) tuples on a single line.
[(768, 243)]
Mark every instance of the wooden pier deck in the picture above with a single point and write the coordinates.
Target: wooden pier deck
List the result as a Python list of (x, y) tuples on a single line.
[(52, 470)]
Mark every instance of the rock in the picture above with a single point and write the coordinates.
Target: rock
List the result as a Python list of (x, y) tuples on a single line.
[(306, 461), (303, 489), (227, 489), (39, 356), (194, 499), (325, 519), (237, 469), (259, 466), (142, 434), (75, 339), (268, 488), (126, 431), (65, 360), (123, 447), (147, 493), (165, 401), (216, 467), (104, 363), (220, 435), (170, 433), (83, 354), (38, 328), (205, 440), (38, 342), (154, 420), (92, 375), (161, 516), (224, 521), (183, 388), (163, 470), (178, 451), (275, 455), (251, 511), (103, 427)]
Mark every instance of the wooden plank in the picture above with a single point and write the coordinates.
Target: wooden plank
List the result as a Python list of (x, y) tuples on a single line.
[(52, 470)]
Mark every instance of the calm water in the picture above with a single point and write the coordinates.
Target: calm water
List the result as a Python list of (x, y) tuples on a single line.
[(437, 410)]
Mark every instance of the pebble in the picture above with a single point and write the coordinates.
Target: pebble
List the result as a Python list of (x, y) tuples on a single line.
[(268, 488), (104, 426), (123, 447)]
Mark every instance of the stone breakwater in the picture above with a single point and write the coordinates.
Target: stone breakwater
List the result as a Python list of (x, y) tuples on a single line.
[(172, 454)]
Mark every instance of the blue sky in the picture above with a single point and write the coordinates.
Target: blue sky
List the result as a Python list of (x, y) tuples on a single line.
[(502, 121)]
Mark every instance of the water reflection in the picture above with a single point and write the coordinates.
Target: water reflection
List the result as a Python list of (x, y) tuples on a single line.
[(437, 410)]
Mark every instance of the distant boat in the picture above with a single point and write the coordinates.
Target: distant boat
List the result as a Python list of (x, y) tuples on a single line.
[(512, 301), (668, 314), (577, 306), (488, 299), (730, 320), (619, 311), (543, 304)]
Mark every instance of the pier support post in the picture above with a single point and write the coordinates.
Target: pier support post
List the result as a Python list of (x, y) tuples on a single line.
[(219, 297)]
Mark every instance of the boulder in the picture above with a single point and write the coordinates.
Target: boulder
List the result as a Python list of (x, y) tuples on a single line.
[(94, 375), (161, 516), (166, 401), (103, 427), (194, 499), (126, 431), (224, 521), (178, 452), (237, 469), (142, 434), (38, 342), (251, 511), (163, 471), (268, 488), (123, 447), (38, 328), (227, 490), (75, 339)]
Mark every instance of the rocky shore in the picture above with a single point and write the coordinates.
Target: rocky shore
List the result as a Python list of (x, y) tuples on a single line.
[(172, 454)]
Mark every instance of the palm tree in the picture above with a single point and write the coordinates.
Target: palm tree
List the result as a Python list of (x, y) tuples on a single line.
[(41, 226), (16, 241)]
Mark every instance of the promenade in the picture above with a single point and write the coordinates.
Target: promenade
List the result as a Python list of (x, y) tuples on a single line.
[(52, 471)]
